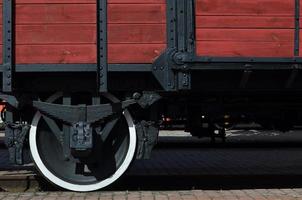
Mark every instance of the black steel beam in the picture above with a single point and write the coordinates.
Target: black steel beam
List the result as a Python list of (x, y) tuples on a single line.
[(130, 67), (26, 68), (259, 60), (8, 45), (102, 47), (242, 66)]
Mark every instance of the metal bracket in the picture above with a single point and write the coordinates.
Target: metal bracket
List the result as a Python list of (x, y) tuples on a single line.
[(180, 36), (162, 70), (147, 138), (147, 99), (81, 136), (11, 100), (15, 135), (82, 113)]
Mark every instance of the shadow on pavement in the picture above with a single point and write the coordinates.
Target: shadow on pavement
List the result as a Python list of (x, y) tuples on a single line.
[(241, 163)]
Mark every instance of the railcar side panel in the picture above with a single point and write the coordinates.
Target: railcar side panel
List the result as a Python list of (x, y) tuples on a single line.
[(55, 31), (66, 32), (136, 30), (244, 28)]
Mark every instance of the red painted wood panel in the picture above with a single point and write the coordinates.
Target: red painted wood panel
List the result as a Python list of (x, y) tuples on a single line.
[(28, 54), (55, 13), (244, 22), (261, 28), (85, 1), (86, 34), (246, 35), (245, 49), (64, 31), (245, 7), (137, 13), (137, 33), (134, 53)]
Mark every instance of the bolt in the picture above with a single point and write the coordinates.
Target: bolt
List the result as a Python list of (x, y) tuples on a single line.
[(136, 96), (179, 57)]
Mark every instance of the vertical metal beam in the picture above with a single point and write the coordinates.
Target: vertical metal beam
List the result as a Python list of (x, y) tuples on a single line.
[(8, 53), (102, 43), (297, 28), (183, 15), (171, 24), (181, 24), (191, 26)]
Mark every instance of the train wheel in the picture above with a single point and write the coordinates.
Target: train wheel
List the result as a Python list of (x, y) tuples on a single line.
[(106, 163)]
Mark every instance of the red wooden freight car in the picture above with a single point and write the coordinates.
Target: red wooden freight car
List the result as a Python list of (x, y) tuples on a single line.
[(87, 82)]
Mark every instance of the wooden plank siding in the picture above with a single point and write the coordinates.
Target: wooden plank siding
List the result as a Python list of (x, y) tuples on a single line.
[(244, 28), (137, 30), (64, 31)]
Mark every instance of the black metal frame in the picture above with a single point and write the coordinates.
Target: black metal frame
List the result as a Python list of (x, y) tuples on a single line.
[(173, 69), (8, 45)]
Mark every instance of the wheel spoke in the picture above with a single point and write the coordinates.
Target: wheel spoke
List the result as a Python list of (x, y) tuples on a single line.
[(54, 128), (118, 142), (108, 128)]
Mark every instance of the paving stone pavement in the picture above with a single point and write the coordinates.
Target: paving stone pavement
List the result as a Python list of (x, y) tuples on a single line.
[(255, 194)]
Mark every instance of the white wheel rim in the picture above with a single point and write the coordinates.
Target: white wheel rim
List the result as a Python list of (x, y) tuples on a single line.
[(76, 187)]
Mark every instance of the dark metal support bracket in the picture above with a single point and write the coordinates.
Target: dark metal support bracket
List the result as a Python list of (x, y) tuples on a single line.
[(169, 69), (8, 56), (162, 66), (82, 113), (102, 43)]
